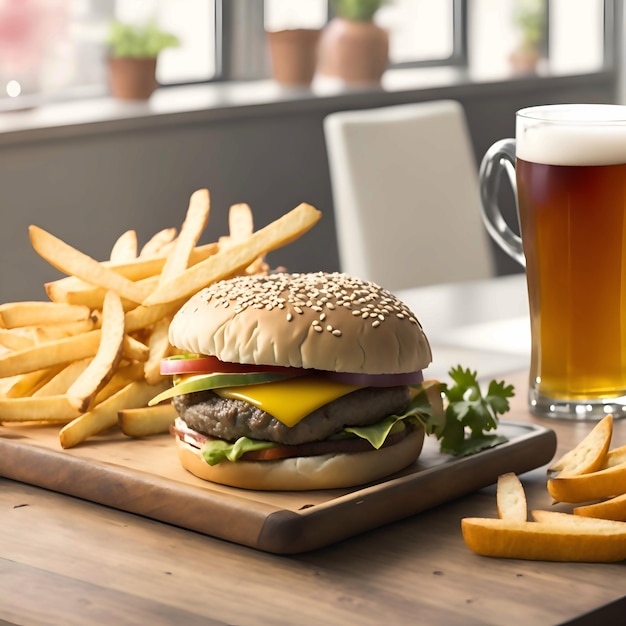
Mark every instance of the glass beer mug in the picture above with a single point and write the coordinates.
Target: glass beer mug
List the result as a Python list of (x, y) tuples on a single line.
[(567, 164)]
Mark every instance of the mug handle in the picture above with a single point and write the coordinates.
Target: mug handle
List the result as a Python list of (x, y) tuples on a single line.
[(500, 157)]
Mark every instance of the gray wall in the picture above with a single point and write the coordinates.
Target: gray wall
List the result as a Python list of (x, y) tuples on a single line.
[(87, 186)]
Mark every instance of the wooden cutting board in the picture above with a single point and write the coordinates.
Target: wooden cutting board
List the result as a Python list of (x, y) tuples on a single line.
[(144, 476)]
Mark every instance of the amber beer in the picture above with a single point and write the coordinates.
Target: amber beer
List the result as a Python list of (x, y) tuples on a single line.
[(571, 190)]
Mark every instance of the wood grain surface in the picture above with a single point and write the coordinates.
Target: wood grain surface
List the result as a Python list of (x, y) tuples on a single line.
[(65, 560), (144, 476)]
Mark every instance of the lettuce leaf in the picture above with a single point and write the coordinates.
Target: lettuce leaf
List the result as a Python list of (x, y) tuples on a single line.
[(419, 411)]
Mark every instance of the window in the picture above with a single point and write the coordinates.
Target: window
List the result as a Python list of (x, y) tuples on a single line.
[(54, 49), (564, 36), (420, 30), (576, 36), (195, 60)]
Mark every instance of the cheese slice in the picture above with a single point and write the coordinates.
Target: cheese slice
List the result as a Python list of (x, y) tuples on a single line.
[(292, 399)]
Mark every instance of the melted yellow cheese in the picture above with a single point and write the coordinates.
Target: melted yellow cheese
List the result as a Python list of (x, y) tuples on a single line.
[(290, 400)]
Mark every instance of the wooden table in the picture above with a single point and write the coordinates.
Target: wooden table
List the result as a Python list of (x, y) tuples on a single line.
[(68, 561)]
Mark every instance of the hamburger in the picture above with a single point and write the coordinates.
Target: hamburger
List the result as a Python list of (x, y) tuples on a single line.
[(296, 382)]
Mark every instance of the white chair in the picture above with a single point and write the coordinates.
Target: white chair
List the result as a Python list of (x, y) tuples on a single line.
[(405, 192)]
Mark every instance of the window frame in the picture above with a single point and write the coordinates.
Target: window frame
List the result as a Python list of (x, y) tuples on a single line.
[(459, 56), (244, 55), (242, 52)]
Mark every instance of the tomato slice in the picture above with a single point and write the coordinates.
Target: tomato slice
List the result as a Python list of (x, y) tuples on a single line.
[(211, 365)]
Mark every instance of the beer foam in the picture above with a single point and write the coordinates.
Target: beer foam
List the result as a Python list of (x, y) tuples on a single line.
[(573, 141)]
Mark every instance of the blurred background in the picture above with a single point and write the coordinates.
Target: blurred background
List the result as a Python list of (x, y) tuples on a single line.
[(78, 159)]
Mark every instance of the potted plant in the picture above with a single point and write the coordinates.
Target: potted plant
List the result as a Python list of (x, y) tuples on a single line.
[(352, 47), (530, 22), (293, 53), (132, 59)]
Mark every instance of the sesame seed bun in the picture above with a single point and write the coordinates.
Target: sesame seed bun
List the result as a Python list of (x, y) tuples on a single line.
[(328, 471), (321, 321)]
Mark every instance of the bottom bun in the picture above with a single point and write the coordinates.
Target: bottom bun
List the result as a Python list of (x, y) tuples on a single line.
[(328, 471)]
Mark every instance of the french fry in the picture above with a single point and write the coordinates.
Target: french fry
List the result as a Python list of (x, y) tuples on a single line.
[(49, 354), (21, 338), (125, 247), (125, 375), (58, 331), (50, 409), (93, 297), (177, 261), (558, 518), (144, 316), (226, 262), (62, 351), (73, 290), (593, 540), (95, 349), (240, 221), (60, 383), (84, 389), (16, 341), (241, 227), (159, 347), (20, 314), (146, 421), (28, 384), (611, 509), (589, 455), (134, 350), (615, 457), (511, 498), (158, 243), (604, 483), (193, 226), (71, 261), (104, 415)]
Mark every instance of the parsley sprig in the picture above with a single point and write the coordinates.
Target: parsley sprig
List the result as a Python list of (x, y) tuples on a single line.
[(470, 416)]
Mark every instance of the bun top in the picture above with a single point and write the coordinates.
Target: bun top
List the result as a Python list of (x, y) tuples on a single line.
[(322, 321)]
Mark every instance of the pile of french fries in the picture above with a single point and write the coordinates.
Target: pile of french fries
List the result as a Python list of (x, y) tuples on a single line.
[(591, 473), (89, 359)]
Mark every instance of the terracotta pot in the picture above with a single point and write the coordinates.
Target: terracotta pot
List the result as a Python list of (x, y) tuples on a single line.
[(524, 61), (356, 52), (132, 78), (294, 55)]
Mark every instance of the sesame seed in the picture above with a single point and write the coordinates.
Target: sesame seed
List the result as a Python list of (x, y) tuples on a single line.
[(319, 293), (336, 332)]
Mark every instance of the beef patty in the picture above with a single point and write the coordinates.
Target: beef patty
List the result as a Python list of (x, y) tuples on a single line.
[(208, 413)]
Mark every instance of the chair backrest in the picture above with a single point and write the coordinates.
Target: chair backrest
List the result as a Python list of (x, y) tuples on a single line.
[(405, 193)]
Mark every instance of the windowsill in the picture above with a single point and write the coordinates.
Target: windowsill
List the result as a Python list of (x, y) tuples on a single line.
[(237, 99)]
